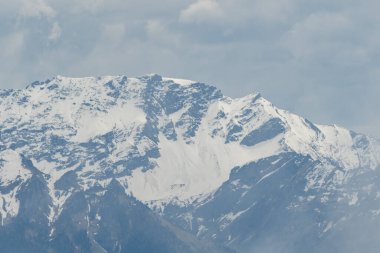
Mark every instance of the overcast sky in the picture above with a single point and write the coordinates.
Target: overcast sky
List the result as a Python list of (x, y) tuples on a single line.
[(317, 58)]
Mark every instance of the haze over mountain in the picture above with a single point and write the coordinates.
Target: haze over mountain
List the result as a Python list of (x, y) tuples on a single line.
[(156, 164)]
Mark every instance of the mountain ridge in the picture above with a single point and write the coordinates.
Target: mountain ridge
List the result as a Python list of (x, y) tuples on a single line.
[(180, 147)]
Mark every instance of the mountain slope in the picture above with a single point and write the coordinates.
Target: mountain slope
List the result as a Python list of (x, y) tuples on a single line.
[(74, 152)]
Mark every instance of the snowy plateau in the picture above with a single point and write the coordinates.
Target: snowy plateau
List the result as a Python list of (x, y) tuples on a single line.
[(153, 164)]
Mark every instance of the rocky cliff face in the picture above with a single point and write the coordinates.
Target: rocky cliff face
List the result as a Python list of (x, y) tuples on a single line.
[(154, 164)]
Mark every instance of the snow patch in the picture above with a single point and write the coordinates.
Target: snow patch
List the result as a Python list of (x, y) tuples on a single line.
[(183, 82)]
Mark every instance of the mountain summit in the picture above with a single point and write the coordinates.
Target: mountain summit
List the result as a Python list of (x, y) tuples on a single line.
[(155, 164)]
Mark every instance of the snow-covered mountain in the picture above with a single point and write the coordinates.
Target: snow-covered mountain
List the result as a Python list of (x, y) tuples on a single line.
[(82, 159)]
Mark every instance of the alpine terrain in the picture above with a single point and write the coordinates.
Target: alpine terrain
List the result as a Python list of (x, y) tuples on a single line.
[(153, 164)]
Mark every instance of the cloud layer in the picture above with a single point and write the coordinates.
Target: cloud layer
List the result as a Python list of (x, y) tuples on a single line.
[(320, 59)]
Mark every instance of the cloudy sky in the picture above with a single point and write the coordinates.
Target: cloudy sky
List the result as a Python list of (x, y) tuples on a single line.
[(317, 58)]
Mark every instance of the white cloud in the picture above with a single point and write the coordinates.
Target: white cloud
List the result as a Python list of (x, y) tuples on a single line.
[(113, 34), (239, 12), (11, 53), (11, 47), (37, 9), (273, 10), (323, 37), (155, 27), (55, 32), (81, 6), (158, 32), (202, 11), (325, 24)]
